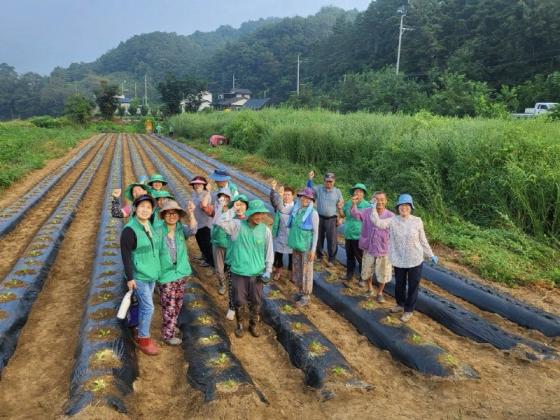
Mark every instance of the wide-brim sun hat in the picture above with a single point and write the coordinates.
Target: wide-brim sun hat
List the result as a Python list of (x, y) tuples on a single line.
[(240, 197), (220, 175), (404, 199), (307, 192), (224, 191), (256, 206), (358, 186), (157, 178), (172, 205), (198, 180), (130, 187), (142, 198), (162, 194)]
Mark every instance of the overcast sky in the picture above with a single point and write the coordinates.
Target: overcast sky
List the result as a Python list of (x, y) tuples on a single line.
[(38, 35)]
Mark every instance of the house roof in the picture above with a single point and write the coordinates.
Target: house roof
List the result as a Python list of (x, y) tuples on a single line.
[(256, 104), (229, 102), (241, 91)]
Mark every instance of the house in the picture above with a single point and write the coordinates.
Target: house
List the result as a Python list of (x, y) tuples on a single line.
[(234, 99), (206, 102), (257, 104), (124, 102)]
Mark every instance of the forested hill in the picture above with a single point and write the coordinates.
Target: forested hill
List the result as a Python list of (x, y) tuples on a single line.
[(459, 57)]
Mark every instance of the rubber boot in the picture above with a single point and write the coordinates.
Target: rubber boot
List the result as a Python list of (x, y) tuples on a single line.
[(239, 332), (147, 346), (222, 284), (254, 320)]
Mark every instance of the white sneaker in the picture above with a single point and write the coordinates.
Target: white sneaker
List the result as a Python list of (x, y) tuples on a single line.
[(230, 316), (406, 316), (175, 341)]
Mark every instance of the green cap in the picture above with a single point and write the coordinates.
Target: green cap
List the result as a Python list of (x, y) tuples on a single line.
[(358, 186), (129, 188), (256, 206), (240, 197), (157, 178), (162, 194)]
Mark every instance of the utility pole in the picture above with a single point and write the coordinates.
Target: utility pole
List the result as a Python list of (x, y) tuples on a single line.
[(135, 92), (233, 83), (298, 65), (146, 90), (402, 11)]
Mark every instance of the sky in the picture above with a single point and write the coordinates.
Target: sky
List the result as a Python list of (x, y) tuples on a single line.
[(38, 35)]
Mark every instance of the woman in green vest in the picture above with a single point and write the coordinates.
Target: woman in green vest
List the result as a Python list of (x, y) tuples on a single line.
[(140, 255), (157, 182), (251, 256), (302, 238), (174, 262), (161, 198)]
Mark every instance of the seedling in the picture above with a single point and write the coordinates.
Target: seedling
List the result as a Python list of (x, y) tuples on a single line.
[(196, 304), (339, 371), (220, 362), (230, 385), (107, 263), (102, 297), (299, 327), (32, 261), (205, 320), (105, 357), (211, 339), (332, 278), (416, 339), (389, 320), (316, 349), (107, 283), (107, 274), (14, 283), (33, 254), (97, 385), (111, 245), (7, 297), (39, 246), (102, 314), (449, 360), (274, 294), (368, 305), (109, 254), (288, 309), (25, 272)]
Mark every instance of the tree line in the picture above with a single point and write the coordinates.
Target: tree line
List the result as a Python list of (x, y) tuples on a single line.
[(459, 57)]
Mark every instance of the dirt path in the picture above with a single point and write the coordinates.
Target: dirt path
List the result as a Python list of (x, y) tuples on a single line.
[(42, 364), (24, 231)]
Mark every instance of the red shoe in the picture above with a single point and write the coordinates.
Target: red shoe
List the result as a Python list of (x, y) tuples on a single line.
[(147, 346)]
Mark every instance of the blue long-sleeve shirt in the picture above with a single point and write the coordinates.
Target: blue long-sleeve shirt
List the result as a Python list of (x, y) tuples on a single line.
[(326, 199)]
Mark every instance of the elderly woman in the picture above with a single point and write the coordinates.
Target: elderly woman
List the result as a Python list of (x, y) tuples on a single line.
[(407, 248), (203, 237), (283, 203), (174, 262)]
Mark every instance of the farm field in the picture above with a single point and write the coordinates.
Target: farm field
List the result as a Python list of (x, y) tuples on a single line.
[(340, 357)]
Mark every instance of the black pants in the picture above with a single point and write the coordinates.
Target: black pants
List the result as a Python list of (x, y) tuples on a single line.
[(203, 240), (353, 254), (279, 260), (407, 277), (327, 228), (246, 290)]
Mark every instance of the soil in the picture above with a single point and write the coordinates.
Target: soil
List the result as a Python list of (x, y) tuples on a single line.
[(509, 387), (42, 364)]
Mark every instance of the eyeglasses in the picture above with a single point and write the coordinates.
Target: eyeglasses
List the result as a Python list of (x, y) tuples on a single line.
[(171, 213)]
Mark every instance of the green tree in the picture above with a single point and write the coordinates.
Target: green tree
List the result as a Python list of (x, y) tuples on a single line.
[(174, 90), (78, 109), (134, 106), (456, 95), (105, 98)]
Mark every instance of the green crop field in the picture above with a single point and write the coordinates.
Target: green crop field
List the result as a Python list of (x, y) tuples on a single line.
[(489, 189)]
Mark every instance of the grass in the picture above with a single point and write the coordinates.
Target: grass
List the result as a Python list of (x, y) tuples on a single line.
[(461, 173)]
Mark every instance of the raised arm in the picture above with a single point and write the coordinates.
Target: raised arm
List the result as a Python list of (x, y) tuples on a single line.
[(269, 252), (374, 217), (227, 221), (275, 198), (191, 228)]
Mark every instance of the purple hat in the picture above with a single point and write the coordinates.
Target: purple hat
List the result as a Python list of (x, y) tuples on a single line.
[(307, 192)]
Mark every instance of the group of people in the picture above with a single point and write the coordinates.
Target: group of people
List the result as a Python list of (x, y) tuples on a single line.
[(246, 247)]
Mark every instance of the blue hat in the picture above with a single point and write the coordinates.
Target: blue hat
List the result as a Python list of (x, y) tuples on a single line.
[(220, 175), (405, 199)]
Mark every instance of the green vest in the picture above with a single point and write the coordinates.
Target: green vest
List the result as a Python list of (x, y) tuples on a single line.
[(158, 221), (353, 226), (146, 256), (182, 268), (300, 239), (246, 254), (220, 237), (276, 224)]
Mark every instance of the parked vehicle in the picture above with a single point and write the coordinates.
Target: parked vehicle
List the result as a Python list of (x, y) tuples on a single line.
[(539, 108), (217, 140)]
